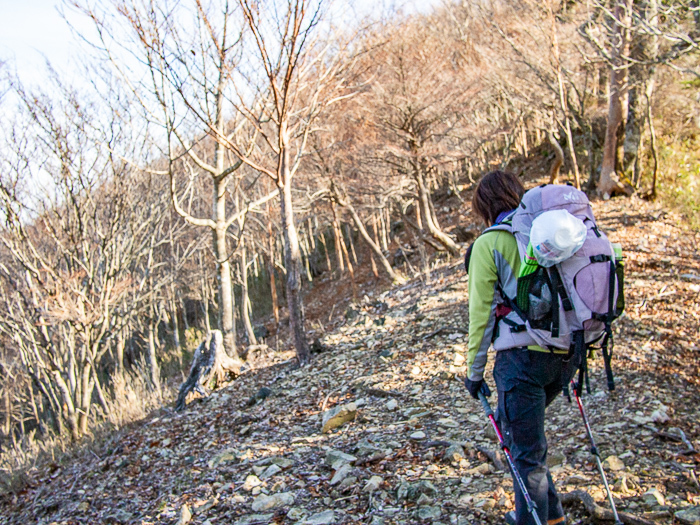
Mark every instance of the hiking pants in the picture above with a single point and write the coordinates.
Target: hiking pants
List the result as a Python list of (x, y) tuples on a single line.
[(527, 382)]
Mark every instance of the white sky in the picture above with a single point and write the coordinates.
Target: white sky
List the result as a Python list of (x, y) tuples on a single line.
[(33, 29)]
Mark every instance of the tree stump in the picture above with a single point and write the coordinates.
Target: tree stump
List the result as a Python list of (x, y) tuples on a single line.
[(210, 366)]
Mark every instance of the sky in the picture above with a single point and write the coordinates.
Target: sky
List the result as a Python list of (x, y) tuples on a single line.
[(33, 29)]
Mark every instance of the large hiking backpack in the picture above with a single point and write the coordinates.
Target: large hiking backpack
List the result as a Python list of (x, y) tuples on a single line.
[(572, 304)]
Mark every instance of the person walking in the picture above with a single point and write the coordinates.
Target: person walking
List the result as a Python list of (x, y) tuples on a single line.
[(528, 378)]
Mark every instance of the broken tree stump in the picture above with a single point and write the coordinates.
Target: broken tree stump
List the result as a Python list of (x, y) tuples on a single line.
[(210, 366)]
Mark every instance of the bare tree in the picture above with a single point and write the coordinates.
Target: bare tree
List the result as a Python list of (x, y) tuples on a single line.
[(187, 83), (74, 234), (297, 74)]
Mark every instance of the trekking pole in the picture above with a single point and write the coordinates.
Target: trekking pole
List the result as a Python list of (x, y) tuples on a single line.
[(531, 506), (594, 451)]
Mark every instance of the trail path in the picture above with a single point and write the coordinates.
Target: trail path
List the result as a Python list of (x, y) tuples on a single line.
[(414, 451)]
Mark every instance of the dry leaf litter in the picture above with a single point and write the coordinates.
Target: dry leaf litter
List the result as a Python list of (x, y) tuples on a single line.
[(378, 429)]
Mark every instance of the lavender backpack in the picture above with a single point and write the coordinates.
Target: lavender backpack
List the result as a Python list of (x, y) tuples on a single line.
[(570, 305)]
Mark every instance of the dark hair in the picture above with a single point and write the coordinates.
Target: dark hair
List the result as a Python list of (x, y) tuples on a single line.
[(497, 192), (468, 257)]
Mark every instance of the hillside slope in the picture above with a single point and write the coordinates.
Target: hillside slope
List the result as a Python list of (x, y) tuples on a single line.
[(415, 444)]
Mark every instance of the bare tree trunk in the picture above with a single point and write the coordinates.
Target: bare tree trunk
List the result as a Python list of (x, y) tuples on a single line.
[(652, 134), (100, 394), (337, 239), (223, 272), (346, 255), (292, 255), (384, 227), (351, 242), (176, 326), (322, 238), (305, 255), (121, 343), (245, 298), (562, 100), (271, 269), (609, 182), (372, 244), (558, 159), (85, 400), (210, 365), (7, 426), (153, 368), (424, 205)]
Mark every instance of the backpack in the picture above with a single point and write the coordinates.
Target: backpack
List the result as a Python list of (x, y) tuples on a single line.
[(570, 305)]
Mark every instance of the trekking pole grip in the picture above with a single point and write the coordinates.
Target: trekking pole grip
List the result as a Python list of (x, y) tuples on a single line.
[(485, 404)]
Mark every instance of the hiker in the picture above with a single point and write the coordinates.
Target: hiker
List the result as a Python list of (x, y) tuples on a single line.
[(528, 378)]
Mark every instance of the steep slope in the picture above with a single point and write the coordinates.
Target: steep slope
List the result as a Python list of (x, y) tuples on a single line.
[(416, 450)]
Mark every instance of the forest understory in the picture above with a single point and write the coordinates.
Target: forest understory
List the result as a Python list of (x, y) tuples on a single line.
[(413, 447)]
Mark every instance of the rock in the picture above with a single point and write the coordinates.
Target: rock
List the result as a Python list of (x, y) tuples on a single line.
[(613, 463), (251, 482), (274, 501), (392, 405), (377, 520), (270, 471), (479, 470), (556, 457), (336, 458), (429, 513), (283, 463), (418, 435), (465, 501), (185, 515), (653, 497), (341, 474), (454, 453), (412, 491), (338, 416), (262, 394), (424, 500), (459, 359), (295, 514), (252, 519), (688, 516), (485, 504), (373, 484), (621, 486), (347, 483), (448, 423), (576, 479), (224, 457), (366, 449), (326, 517), (660, 417)]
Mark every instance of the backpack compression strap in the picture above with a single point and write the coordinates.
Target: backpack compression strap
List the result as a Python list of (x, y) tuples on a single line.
[(607, 318)]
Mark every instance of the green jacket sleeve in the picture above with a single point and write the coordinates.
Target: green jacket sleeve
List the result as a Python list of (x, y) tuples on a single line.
[(493, 250)]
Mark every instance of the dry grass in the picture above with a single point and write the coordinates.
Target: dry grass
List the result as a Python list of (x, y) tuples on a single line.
[(130, 399)]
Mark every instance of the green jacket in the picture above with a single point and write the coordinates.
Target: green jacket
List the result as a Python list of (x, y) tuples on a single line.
[(494, 266)]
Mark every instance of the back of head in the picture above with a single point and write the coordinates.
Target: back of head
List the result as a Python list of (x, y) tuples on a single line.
[(497, 192)]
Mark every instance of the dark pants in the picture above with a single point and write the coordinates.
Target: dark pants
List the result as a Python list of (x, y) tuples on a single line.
[(527, 383)]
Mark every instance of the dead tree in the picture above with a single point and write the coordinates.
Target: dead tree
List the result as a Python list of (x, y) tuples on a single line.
[(210, 366)]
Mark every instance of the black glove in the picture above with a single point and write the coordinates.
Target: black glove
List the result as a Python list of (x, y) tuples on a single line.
[(475, 387)]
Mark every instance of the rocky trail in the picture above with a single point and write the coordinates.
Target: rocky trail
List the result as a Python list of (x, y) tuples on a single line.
[(378, 429)]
